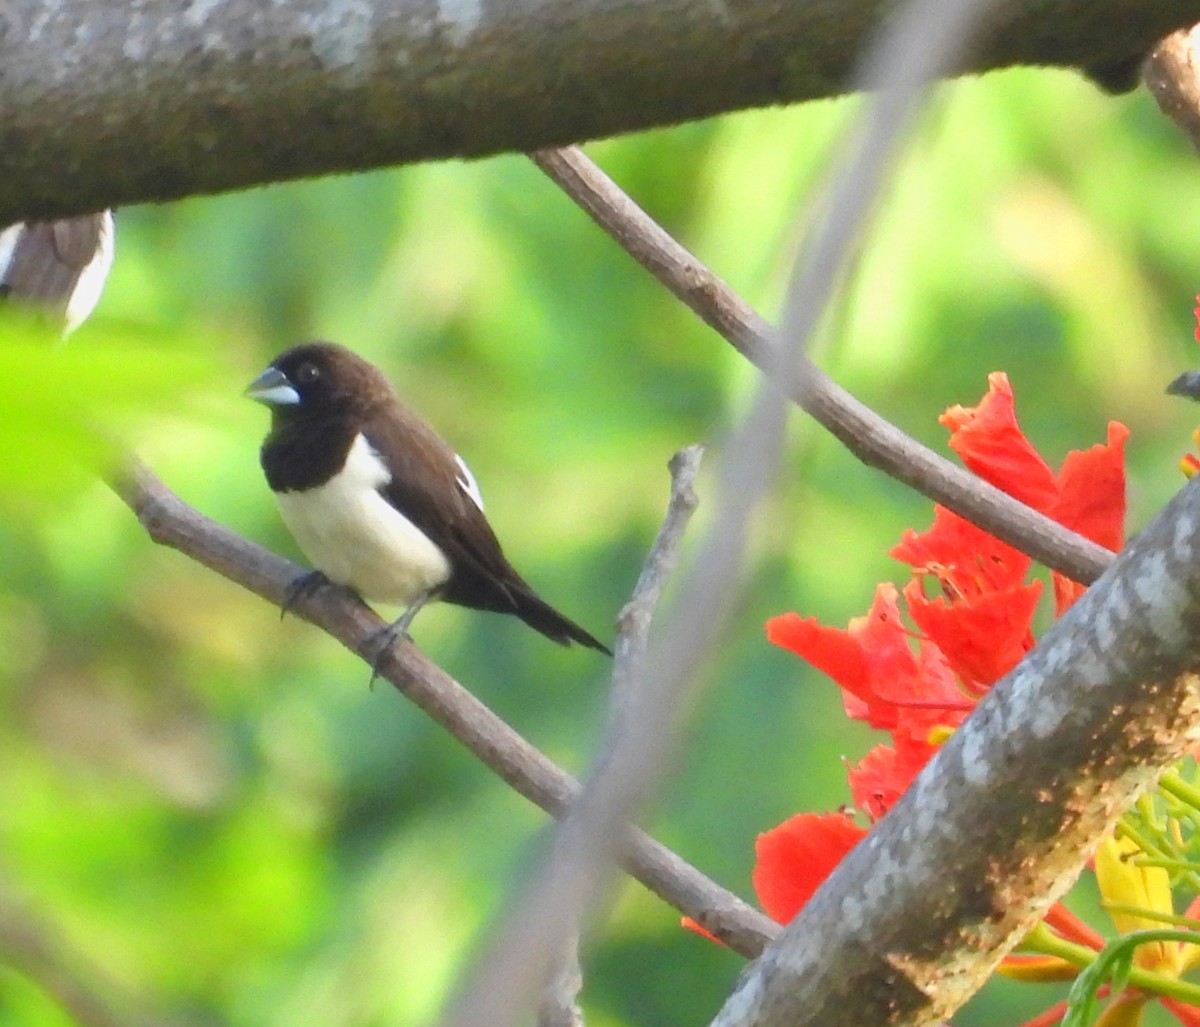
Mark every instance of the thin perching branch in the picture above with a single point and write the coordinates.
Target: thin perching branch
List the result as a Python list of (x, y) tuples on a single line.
[(171, 522), (633, 638), (633, 622), (559, 1006)]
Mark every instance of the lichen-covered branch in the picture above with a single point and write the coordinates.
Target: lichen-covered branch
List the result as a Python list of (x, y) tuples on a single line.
[(109, 102), (1001, 822)]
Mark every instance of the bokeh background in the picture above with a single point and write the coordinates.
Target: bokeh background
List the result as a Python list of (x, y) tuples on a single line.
[(211, 806)]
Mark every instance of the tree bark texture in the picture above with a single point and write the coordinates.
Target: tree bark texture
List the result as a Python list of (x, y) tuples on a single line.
[(125, 101), (1000, 823)]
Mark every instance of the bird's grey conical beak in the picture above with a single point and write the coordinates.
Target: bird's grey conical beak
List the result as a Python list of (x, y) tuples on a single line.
[(273, 388), (1187, 384)]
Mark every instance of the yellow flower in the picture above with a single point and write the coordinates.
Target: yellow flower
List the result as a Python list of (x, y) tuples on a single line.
[(1124, 883)]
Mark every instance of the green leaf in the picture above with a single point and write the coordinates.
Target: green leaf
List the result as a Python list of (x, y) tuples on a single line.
[(1114, 963), (67, 413)]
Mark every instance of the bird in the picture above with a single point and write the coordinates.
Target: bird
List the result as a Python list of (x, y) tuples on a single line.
[(57, 268), (1187, 384), (379, 502)]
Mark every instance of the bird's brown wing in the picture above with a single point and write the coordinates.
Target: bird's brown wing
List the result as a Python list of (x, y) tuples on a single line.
[(426, 487), (49, 257)]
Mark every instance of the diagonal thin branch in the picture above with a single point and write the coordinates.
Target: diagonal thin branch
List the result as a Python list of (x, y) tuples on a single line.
[(548, 912), (36, 948), (558, 1006), (171, 522), (867, 435), (633, 622)]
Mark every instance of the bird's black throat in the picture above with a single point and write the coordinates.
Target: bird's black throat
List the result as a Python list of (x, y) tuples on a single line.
[(302, 453)]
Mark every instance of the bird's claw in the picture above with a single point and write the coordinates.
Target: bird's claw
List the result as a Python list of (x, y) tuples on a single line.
[(300, 588), (381, 642), (383, 639)]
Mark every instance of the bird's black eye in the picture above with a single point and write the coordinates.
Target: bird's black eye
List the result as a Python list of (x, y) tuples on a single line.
[(306, 374)]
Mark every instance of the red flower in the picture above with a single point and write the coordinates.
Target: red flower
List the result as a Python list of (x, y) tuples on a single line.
[(1087, 495), (879, 779), (1091, 501), (981, 622), (991, 443), (973, 604), (884, 682), (920, 686), (1091, 490), (792, 860)]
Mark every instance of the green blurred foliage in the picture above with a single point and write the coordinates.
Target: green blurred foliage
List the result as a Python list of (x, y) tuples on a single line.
[(209, 802)]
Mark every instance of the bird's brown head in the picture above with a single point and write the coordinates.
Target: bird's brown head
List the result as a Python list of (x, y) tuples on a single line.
[(319, 379)]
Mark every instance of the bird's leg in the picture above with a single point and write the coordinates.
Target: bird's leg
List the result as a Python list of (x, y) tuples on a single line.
[(301, 587), (385, 637)]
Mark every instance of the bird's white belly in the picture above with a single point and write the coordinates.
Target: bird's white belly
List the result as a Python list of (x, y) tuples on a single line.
[(354, 536)]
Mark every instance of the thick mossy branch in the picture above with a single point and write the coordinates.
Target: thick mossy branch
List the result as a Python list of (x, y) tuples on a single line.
[(997, 827), (110, 103)]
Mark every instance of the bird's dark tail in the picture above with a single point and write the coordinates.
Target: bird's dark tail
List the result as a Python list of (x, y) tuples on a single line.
[(541, 616), (505, 591)]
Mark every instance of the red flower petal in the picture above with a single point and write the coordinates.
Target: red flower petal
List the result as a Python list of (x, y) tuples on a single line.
[(884, 774), (982, 637), (831, 650), (1092, 502), (964, 558), (892, 668), (873, 651), (1066, 592), (792, 860), (990, 442), (873, 782), (930, 700), (1053, 1015), (1091, 488), (1184, 1012), (1072, 928), (693, 925)]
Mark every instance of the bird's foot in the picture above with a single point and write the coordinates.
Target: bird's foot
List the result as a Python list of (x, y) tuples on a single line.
[(381, 641), (301, 588)]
